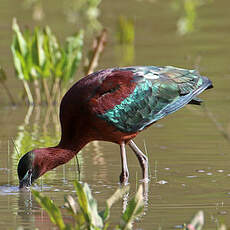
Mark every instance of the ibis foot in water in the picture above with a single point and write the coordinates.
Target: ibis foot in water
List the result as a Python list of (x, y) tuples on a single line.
[(114, 105)]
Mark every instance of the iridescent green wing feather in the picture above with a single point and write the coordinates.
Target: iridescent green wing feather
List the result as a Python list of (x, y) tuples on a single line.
[(159, 91)]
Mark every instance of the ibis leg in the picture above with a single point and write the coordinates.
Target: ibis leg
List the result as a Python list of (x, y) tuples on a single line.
[(125, 172), (142, 158)]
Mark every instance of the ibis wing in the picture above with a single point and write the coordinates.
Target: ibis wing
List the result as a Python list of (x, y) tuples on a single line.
[(156, 92)]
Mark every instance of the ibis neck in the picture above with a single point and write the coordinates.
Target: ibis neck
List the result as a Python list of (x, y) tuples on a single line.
[(49, 158), (72, 146)]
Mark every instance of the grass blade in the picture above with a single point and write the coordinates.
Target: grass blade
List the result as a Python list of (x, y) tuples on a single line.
[(21, 45), (88, 205)]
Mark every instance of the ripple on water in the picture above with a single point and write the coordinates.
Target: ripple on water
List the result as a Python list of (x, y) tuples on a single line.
[(14, 190), (200, 171), (9, 190), (4, 169), (192, 176), (209, 174), (162, 182)]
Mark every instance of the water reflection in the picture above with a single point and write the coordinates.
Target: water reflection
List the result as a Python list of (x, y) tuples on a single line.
[(225, 132), (32, 216), (8, 190), (26, 205), (99, 161), (30, 132)]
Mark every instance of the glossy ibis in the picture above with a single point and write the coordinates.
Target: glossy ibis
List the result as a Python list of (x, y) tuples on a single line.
[(114, 105)]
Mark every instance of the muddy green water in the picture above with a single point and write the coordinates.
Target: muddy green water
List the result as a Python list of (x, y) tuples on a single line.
[(189, 151)]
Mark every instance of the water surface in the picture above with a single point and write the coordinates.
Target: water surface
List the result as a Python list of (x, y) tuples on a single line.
[(189, 156)]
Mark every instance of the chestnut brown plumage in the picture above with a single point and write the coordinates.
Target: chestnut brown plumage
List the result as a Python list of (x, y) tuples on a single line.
[(114, 105)]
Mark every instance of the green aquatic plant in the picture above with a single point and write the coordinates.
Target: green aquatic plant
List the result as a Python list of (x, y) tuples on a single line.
[(85, 214), (125, 35), (186, 23), (84, 13), (84, 210), (39, 58), (125, 30)]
